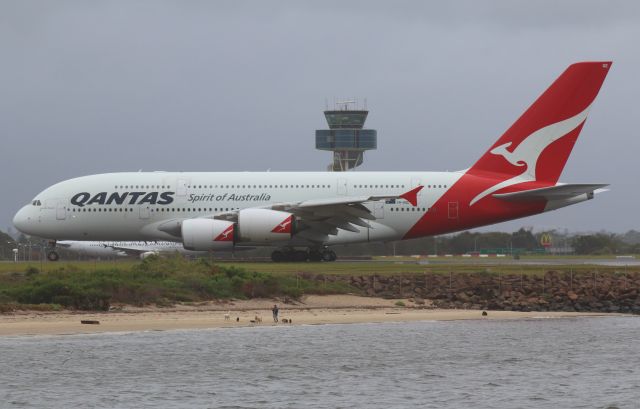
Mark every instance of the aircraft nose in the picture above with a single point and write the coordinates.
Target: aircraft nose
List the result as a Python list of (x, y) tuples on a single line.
[(22, 220)]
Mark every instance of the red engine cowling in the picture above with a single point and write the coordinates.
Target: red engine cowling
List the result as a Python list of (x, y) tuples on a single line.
[(265, 225), (207, 234)]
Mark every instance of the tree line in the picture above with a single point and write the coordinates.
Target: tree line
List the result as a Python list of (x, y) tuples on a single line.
[(522, 241)]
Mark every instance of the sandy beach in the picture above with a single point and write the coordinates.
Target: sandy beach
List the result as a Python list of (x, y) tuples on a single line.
[(311, 310)]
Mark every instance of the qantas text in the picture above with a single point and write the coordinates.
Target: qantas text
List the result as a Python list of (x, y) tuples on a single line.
[(130, 198)]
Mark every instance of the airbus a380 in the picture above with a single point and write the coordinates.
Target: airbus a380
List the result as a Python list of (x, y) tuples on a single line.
[(517, 177)]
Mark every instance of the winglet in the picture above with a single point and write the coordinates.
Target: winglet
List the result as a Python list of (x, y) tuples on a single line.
[(412, 195)]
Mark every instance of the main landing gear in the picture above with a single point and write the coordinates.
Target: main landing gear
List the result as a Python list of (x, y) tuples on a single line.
[(312, 254)]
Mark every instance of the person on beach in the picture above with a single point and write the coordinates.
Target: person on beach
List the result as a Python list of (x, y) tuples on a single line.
[(275, 311)]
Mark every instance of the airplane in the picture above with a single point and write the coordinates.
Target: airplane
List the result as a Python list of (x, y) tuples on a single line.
[(303, 214), (111, 249)]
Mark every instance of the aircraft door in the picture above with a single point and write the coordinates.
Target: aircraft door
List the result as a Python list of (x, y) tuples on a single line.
[(453, 210), (145, 212), (342, 187), (378, 210), (61, 211), (181, 187)]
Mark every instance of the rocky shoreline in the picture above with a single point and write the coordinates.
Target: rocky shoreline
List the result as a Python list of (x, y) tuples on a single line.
[(552, 291)]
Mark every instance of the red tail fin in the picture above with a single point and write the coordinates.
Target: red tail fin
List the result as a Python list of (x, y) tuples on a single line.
[(538, 144)]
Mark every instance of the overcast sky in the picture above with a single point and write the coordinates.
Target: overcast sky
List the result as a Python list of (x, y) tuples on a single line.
[(92, 87)]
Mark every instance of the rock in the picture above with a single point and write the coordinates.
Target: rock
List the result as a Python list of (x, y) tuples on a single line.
[(572, 296), (461, 296)]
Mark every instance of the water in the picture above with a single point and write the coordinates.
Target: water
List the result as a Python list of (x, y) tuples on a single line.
[(539, 363)]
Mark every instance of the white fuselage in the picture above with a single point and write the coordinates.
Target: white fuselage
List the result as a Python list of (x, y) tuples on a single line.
[(96, 207)]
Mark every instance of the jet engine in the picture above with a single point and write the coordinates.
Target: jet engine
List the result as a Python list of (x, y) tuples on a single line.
[(207, 234), (265, 225)]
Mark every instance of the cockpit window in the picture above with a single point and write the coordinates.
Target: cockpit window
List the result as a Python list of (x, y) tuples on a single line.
[(36, 203)]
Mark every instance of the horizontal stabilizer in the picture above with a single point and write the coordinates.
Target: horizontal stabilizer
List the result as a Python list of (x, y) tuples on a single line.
[(558, 192)]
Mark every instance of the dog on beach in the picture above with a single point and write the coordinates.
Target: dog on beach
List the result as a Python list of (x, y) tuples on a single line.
[(227, 316), (258, 319)]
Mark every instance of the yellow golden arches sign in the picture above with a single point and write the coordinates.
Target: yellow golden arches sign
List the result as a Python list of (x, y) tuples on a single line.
[(545, 240)]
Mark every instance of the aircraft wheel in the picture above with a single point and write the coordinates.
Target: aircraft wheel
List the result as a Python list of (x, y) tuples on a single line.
[(300, 256), (278, 257), (329, 255), (52, 256), (315, 256)]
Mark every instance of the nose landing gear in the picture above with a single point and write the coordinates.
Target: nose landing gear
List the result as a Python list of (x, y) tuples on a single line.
[(52, 254), (312, 254)]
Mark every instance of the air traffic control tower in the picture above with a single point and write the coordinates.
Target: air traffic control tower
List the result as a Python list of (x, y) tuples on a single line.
[(346, 137)]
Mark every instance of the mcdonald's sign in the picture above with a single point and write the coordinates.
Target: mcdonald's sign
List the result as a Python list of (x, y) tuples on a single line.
[(545, 240)]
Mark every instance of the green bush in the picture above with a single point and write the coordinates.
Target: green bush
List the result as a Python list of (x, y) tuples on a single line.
[(31, 271), (153, 280)]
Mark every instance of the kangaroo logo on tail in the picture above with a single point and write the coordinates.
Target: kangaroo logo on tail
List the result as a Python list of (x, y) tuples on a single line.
[(527, 153)]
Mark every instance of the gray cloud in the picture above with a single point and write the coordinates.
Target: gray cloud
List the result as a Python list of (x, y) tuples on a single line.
[(89, 87)]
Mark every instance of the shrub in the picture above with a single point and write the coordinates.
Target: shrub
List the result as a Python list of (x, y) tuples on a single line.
[(30, 271), (153, 280)]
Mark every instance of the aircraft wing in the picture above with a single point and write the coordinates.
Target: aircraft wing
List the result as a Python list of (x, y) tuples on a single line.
[(320, 218), (557, 192)]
